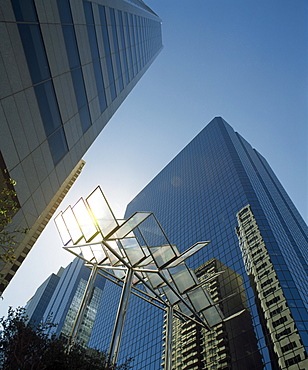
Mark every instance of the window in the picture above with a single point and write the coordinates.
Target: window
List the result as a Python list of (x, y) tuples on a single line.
[(267, 282), (71, 46), (283, 333), (261, 267), (79, 88), (293, 360), (65, 11), (279, 321), (272, 301), (35, 52), (288, 347), (276, 312), (46, 98), (24, 10), (58, 145), (85, 118)]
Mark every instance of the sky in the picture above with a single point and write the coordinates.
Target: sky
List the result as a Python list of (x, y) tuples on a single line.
[(243, 60)]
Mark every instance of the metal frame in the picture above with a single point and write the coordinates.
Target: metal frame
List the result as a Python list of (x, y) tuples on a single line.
[(161, 260)]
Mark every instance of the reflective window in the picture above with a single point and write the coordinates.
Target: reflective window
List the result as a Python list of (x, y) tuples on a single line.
[(116, 48), (98, 76), (93, 42), (81, 98), (24, 10), (85, 118), (65, 11), (71, 46), (79, 87), (58, 145), (35, 52), (100, 84), (105, 34), (48, 105), (88, 12), (123, 46)]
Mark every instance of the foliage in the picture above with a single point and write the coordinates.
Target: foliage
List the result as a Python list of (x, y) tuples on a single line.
[(8, 207), (26, 348)]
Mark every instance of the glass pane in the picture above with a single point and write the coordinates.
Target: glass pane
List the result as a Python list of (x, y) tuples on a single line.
[(130, 224), (35, 52), (48, 105), (152, 232), (120, 274), (171, 296), (182, 278), (98, 76), (101, 211), (154, 279), (24, 10), (188, 253), (84, 220), (72, 225), (99, 253), (71, 46), (79, 88), (62, 229), (183, 308), (199, 299), (88, 12), (93, 42), (114, 261), (85, 118), (162, 254), (58, 145), (146, 262), (132, 250), (87, 253), (212, 315), (102, 101)]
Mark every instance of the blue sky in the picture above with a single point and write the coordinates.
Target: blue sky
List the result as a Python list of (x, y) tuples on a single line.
[(244, 60)]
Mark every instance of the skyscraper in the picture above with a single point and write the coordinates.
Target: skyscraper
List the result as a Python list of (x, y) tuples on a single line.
[(219, 188), (66, 67), (59, 297)]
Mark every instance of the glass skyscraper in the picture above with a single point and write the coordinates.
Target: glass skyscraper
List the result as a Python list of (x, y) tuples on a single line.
[(66, 67), (59, 297), (219, 188)]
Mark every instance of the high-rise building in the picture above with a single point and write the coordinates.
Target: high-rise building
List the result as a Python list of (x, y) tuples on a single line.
[(219, 188), (36, 306), (58, 300), (66, 67)]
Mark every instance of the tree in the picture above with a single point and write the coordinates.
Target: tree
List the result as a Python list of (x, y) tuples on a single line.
[(9, 205), (26, 348)]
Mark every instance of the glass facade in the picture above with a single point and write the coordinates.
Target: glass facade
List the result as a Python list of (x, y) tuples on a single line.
[(68, 65), (37, 305), (59, 297), (201, 195), (121, 44)]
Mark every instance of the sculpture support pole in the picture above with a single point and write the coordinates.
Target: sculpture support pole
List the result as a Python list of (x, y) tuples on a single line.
[(168, 346), (82, 307), (120, 318)]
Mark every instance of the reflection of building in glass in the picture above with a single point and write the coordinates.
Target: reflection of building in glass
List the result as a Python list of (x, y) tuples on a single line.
[(281, 332), (59, 298), (67, 67), (231, 344), (196, 197)]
